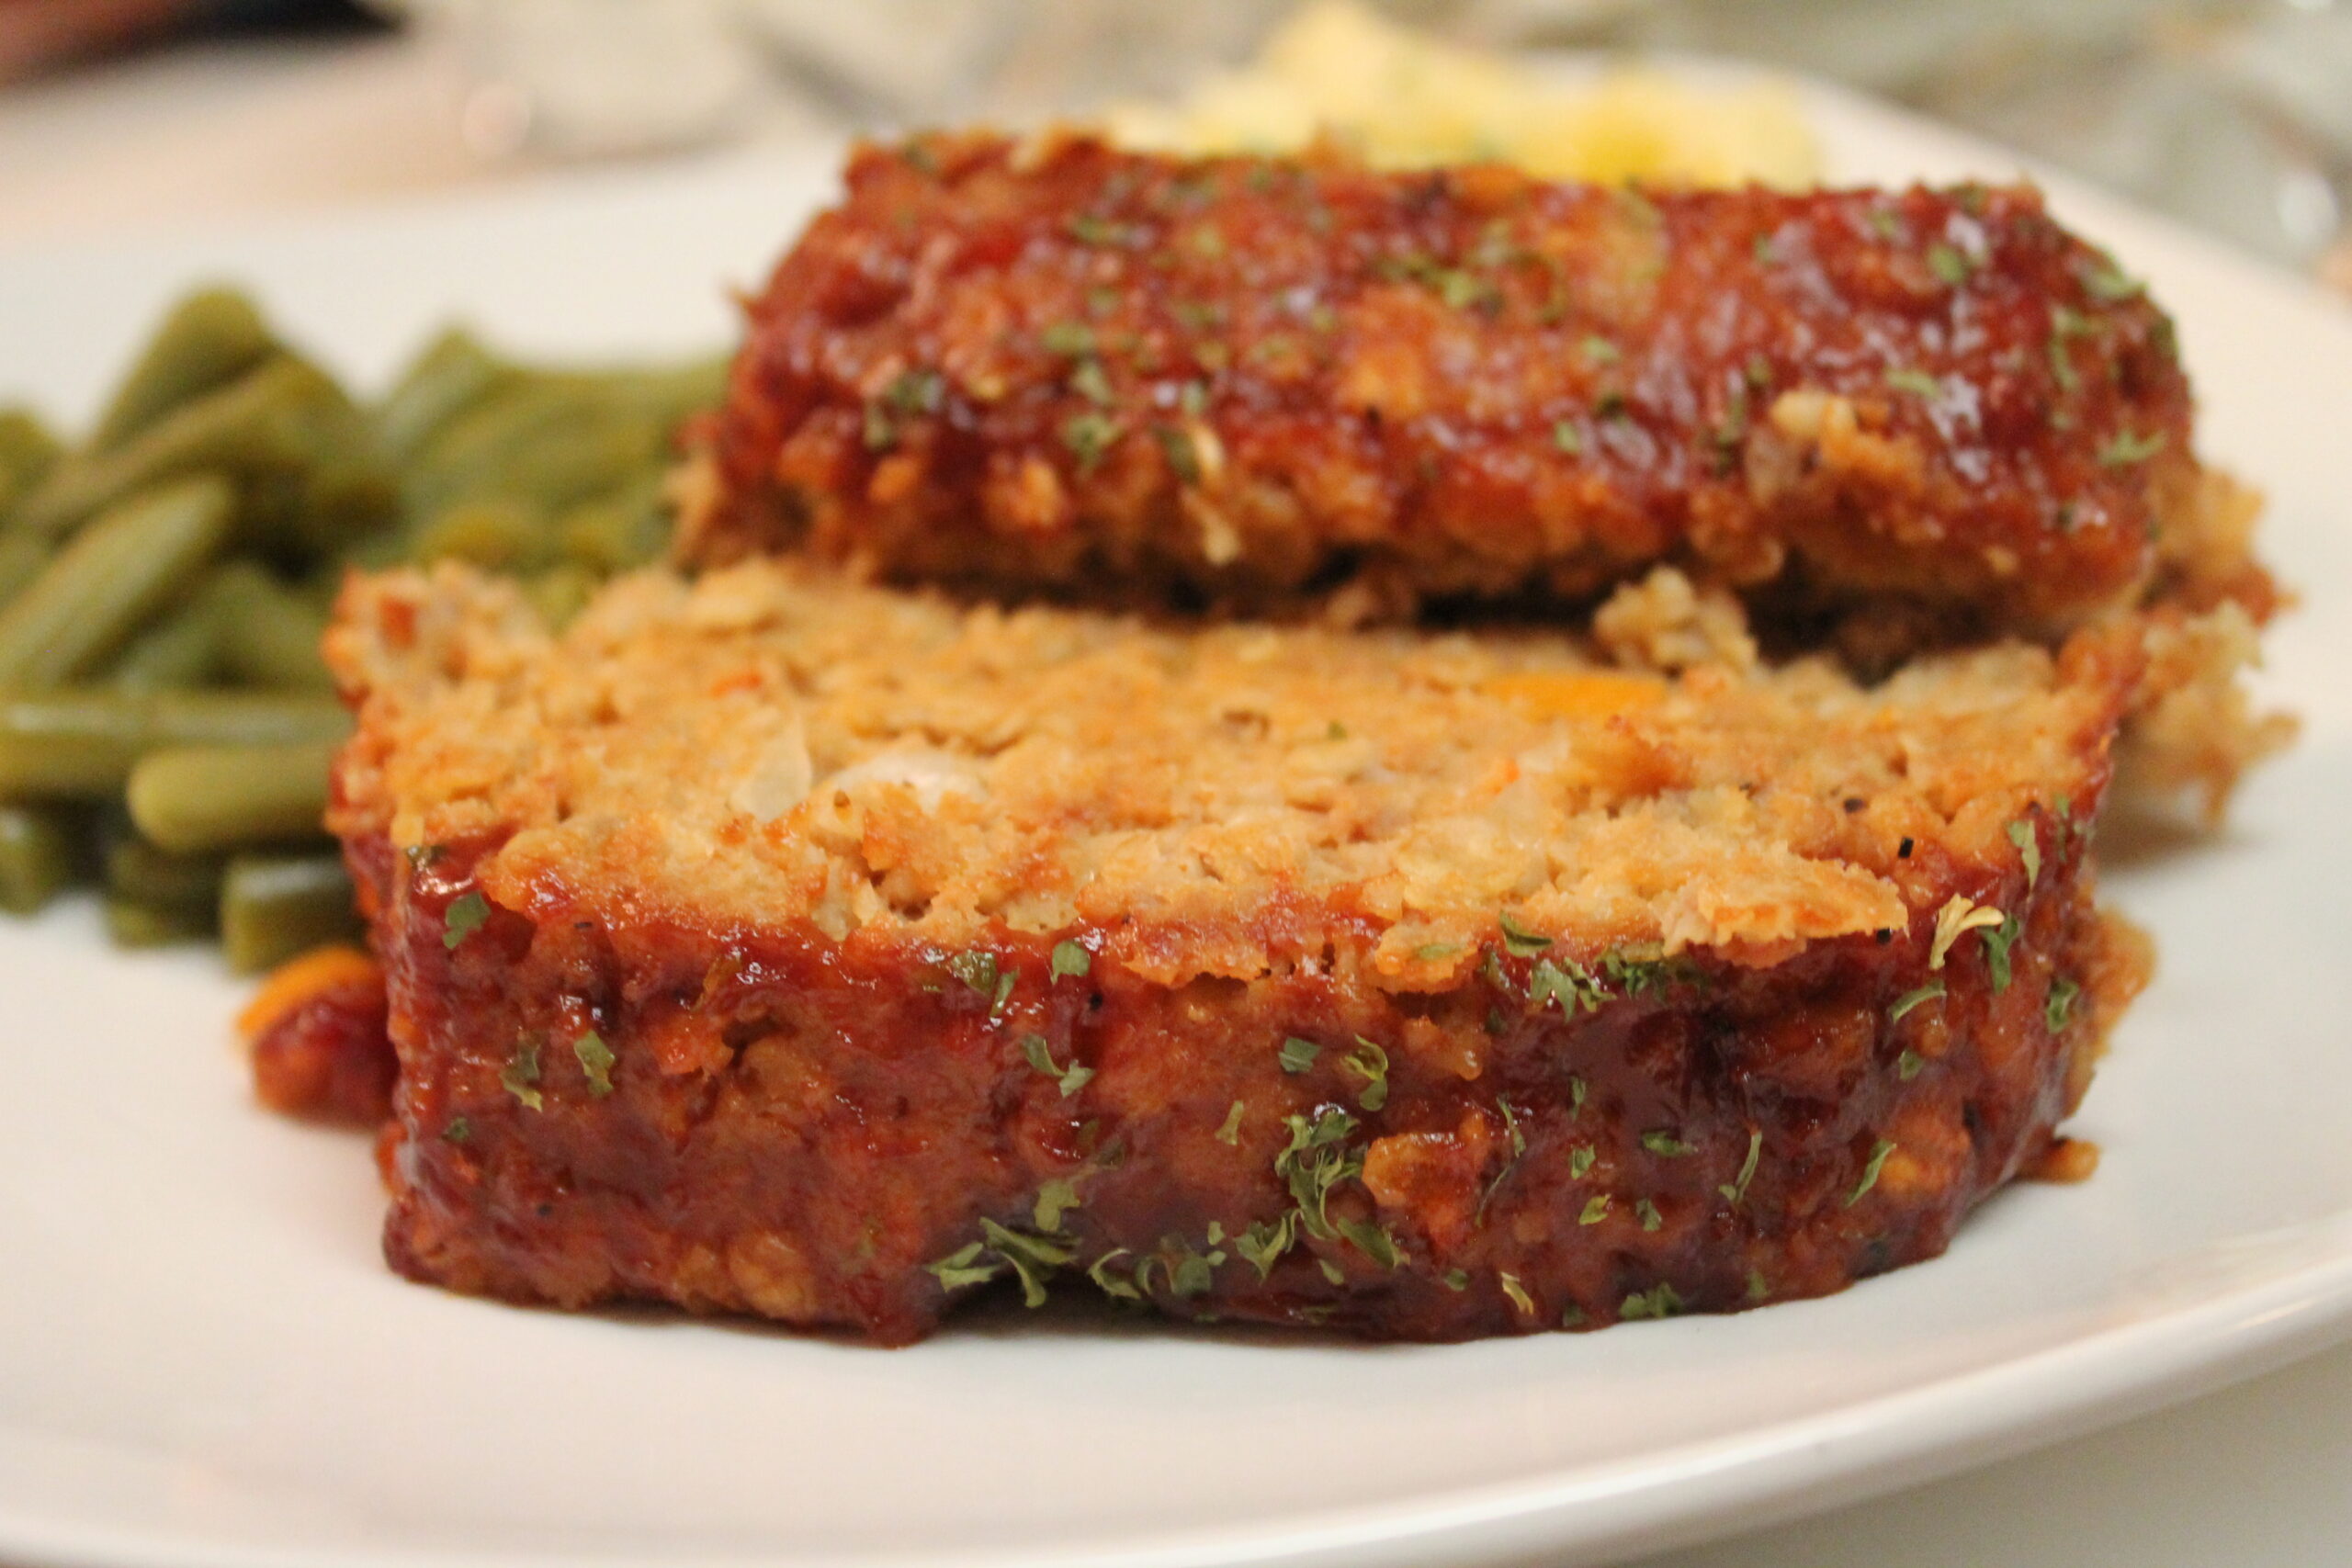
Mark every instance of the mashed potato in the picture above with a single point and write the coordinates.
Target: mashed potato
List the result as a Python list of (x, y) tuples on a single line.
[(1408, 101)]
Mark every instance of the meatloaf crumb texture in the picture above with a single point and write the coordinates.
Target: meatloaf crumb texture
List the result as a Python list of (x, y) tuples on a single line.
[(1053, 364), (776, 944)]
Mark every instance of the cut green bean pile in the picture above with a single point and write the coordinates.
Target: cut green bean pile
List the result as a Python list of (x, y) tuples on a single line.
[(166, 720)]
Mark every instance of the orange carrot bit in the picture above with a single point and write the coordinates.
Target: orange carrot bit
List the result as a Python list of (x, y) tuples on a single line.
[(304, 977), (1598, 693)]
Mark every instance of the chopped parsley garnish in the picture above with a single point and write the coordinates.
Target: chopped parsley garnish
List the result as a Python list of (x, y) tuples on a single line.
[(1434, 951), (595, 1063), (1638, 976), (1576, 1094), (458, 1130), (1568, 982), (1032, 1258), (1072, 339), (1885, 224), (1089, 436), (1040, 1055), (1055, 1199), (1916, 381), (1369, 1062), (422, 855), (1517, 1152), (1110, 1284), (1461, 291), (1666, 1146), (1998, 940), (1757, 1286), (1908, 1064), (1297, 1054), (1093, 383), (1599, 350), (1228, 1132), (1192, 1272), (1518, 1294), (977, 967), (1662, 1301), (1313, 1164), (1455, 1279), (520, 1076), (1764, 252), (1176, 446), (1950, 266), (462, 918), (1573, 1317), (1581, 1160), (1372, 1240), (1736, 1190), (1596, 1209), (2060, 1004), (1955, 920), (1206, 240), (1568, 438), (2028, 845), (916, 391), (1089, 230), (1265, 1241), (964, 1265), (2108, 283), (1910, 1000), (1002, 995), (1519, 941), (1331, 1271), (1876, 1163), (1647, 1211), (1069, 958), (2124, 449)]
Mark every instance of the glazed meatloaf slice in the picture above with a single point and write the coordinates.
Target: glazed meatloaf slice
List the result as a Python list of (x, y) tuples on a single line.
[(1055, 364), (775, 944)]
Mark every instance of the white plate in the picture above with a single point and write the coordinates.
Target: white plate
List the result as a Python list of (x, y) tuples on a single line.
[(203, 1361)]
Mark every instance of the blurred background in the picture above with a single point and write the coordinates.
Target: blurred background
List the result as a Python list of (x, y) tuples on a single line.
[(2235, 116)]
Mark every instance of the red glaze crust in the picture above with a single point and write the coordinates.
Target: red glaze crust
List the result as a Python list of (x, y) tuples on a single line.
[(1057, 366)]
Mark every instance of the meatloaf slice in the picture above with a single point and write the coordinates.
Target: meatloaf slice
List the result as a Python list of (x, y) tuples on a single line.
[(1054, 364), (776, 944)]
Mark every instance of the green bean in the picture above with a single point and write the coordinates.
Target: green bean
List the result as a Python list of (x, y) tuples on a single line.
[(83, 743), (494, 533), (453, 374), (284, 431), (591, 453), (210, 797), (27, 451), (144, 873), (207, 340), (132, 924), (21, 559), (179, 649), (268, 633), (478, 449), (273, 907), (37, 856), (615, 532), (87, 600)]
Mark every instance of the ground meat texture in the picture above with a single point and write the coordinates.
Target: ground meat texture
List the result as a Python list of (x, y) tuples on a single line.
[(774, 943), (1053, 365)]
